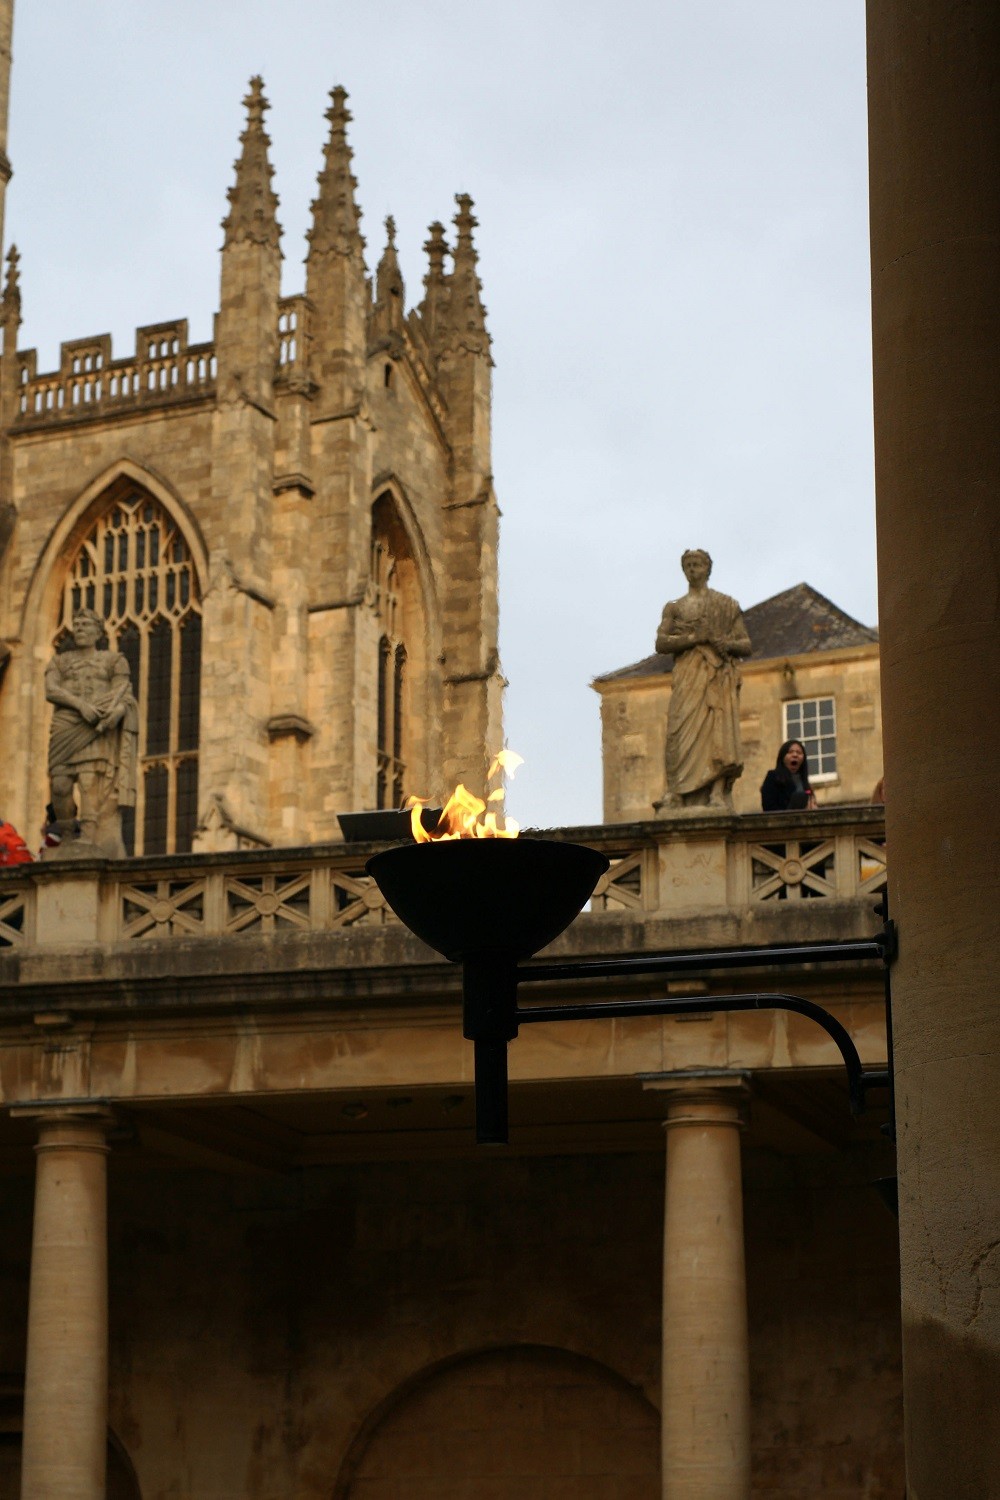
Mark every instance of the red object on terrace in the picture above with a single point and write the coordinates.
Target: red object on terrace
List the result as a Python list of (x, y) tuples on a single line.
[(13, 849)]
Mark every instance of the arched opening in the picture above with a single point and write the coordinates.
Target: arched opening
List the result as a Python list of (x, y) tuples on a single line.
[(509, 1423), (135, 568), (401, 646)]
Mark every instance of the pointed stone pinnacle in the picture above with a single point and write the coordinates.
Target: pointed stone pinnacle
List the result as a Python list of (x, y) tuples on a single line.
[(336, 216), (255, 102), (11, 303), (466, 313), (432, 309), (436, 247), (465, 222), (389, 288), (253, 203)]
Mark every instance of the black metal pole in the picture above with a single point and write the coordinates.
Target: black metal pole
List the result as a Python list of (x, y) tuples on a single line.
[(490, 1060), (489, 1021)]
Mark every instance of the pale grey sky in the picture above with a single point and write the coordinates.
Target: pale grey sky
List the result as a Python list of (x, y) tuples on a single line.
[(674, 254)]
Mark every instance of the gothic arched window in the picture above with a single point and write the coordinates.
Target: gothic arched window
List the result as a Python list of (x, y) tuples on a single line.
[(390, 773), (135, 569)]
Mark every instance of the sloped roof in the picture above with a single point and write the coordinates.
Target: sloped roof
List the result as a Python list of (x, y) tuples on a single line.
[(792, 623)]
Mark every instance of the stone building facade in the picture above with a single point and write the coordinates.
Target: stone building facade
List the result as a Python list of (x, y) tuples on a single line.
[(290, 530), (248, 1247), (307, 1280), (813, 675), (234, 1228)]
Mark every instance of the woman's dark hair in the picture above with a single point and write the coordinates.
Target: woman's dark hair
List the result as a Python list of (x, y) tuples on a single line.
[(782, 771)]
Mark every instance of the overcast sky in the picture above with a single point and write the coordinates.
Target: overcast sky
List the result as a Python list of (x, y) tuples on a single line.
[(674, 255)]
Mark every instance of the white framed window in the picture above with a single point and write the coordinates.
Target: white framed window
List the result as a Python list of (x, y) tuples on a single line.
[(814, 722)]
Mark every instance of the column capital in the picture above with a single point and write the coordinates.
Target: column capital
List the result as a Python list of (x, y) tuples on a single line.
[(78, 1126), (704, 1098)]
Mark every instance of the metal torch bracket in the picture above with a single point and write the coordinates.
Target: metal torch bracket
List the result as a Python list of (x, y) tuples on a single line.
[(492, 1015)]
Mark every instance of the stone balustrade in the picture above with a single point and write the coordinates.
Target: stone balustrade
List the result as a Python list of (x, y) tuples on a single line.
[(690, 869), (164, 370), (282, 970)]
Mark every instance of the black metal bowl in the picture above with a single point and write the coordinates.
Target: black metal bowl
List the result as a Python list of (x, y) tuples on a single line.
[(476, 896)]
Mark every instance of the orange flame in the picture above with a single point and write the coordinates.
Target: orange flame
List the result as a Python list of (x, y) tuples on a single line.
[(466, 816)]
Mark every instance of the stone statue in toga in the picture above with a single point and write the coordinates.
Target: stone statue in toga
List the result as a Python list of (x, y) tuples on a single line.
[(705, 634)]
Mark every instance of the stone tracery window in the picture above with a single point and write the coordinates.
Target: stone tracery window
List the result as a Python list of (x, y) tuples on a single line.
[(135, 569), (390, 775)]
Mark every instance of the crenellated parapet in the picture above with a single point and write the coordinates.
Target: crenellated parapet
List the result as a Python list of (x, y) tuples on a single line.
[(164, 370)]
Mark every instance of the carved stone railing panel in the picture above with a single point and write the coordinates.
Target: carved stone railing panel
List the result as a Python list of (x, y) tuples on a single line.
[(870, 860), (122, 381), (163, 908), (357, 899), (793, 870), (42, 398), (13, 916), (251, 901), (267, 902), (621, 887)]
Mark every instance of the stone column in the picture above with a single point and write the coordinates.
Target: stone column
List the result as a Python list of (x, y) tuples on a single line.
[(706, 1378), (66, 1377), (934, 144)]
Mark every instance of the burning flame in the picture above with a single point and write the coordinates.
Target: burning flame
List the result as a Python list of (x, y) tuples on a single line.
[(466, 816)]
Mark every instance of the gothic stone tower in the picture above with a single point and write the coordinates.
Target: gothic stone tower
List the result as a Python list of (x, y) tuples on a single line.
[(290, 531)]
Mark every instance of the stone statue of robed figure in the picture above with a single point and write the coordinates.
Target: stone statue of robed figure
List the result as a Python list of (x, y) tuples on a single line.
[(705, 634), (92, 743)]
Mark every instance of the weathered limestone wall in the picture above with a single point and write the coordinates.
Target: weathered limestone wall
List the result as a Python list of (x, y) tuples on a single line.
[(527, 1422), (634, 728), (270, 447), (53, 468), (283, 649), (409, 444), (56, 473), (323, 668), (822, 1286), (259, 1323)]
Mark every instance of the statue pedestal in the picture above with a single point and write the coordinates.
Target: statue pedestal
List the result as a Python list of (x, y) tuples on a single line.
[(667, 809), (68, 900), (73, 849)]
